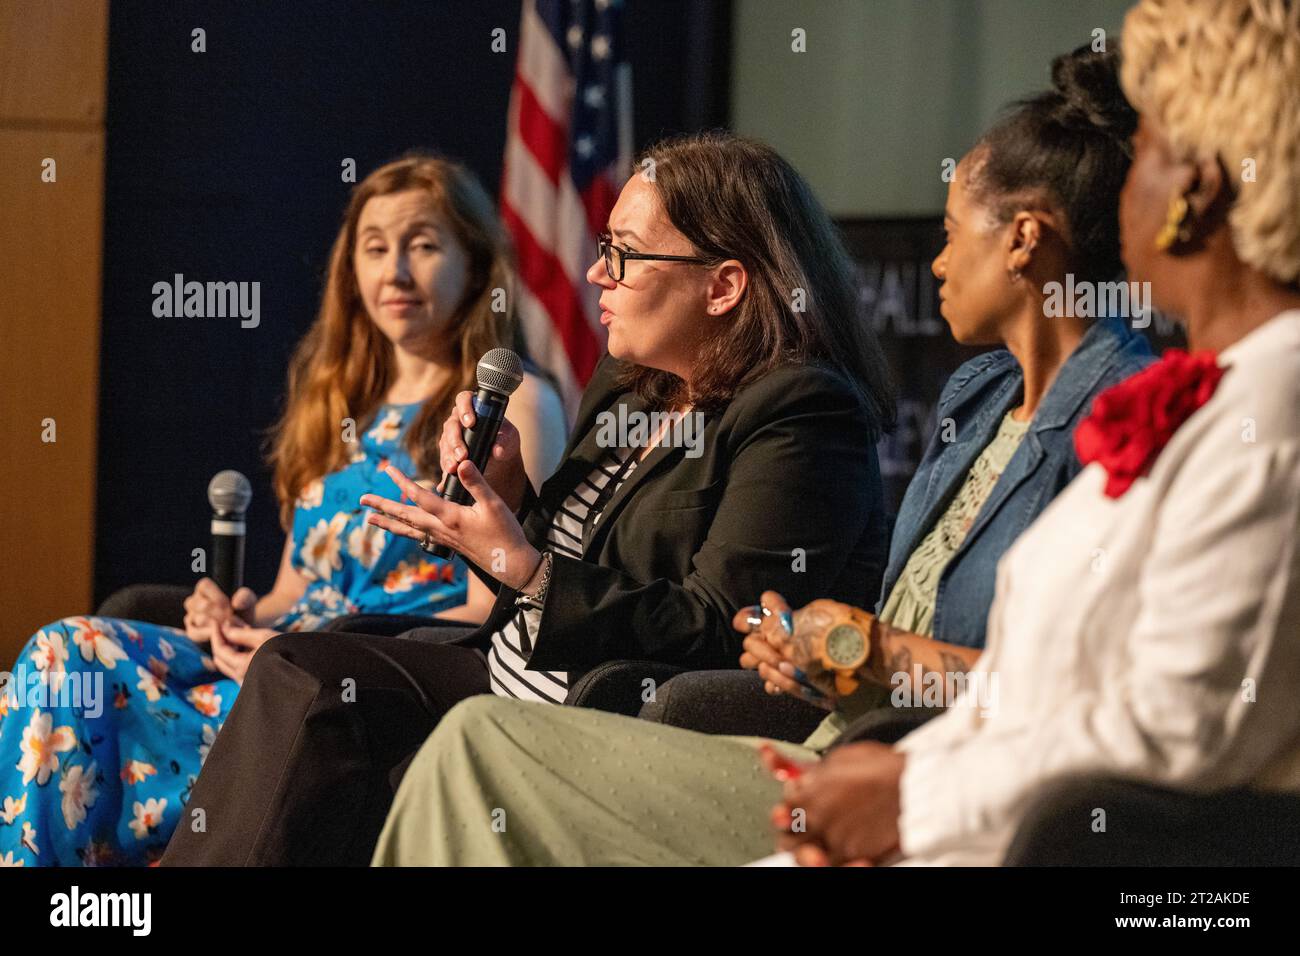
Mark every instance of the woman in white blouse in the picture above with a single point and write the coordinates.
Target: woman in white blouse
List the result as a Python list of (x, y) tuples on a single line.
[(1152, 635), (1146, 626)]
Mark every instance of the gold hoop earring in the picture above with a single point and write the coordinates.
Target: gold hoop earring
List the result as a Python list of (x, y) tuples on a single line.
[(1175, 228)]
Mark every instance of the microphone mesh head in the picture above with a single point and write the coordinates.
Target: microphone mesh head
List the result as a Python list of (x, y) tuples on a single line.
[(229, 492), (501, 371)]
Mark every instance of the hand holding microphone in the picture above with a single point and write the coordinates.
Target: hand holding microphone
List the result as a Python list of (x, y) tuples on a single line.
[(472, 519), (506, 472), (482, 416), (219, 598)]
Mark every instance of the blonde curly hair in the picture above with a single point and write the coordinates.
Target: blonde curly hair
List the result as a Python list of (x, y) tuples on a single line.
[(1222, 78)]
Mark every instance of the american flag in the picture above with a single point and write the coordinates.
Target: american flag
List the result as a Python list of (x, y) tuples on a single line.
[(568, 153)]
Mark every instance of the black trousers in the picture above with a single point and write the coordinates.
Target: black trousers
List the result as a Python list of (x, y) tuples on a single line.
[(305, 768)]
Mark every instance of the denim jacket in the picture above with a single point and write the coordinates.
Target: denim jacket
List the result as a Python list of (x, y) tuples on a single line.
[(976, 398)]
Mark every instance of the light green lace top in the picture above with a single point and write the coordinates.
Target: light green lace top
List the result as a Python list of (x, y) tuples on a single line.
[(910, 605)]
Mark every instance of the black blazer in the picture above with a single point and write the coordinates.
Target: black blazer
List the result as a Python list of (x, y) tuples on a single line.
[(786, 495)]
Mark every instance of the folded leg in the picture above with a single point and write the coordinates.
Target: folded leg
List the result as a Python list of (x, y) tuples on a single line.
[(503, 782), (301, 773)]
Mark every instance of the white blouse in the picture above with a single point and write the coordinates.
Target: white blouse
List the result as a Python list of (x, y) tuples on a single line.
[(1155, 635)]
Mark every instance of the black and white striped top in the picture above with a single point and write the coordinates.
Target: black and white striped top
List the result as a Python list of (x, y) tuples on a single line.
[(513, 643)]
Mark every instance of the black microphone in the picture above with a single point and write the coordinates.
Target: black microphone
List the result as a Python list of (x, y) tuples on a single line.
[(499, 373), (229, 494)]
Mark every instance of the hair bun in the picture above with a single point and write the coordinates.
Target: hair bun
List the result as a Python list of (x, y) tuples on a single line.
[(1090, 96)]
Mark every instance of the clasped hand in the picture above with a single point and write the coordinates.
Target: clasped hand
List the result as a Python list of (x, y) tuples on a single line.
[(843, 809), (782, 646), (220, 621)]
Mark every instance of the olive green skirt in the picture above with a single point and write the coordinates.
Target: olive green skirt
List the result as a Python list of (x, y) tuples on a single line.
[(511, 783)]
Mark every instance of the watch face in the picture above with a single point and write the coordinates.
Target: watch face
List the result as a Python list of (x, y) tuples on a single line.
[(844, 645)]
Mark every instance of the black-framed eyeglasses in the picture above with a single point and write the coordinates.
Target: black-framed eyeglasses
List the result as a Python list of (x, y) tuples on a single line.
[(616, 256)]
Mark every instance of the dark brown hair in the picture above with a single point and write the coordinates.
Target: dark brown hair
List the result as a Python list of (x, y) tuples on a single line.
[(737, 198), (1070, 146)]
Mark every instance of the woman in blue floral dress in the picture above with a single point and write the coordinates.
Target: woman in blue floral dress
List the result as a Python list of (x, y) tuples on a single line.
[(105, 723)]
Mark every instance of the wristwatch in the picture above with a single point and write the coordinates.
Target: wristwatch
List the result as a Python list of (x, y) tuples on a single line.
[(844, 646)]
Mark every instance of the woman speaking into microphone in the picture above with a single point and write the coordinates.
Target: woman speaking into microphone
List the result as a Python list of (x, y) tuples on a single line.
[(726, 442)]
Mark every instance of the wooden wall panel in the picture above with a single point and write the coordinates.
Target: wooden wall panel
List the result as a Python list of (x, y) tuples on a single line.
[(52, 93), (53, 58)]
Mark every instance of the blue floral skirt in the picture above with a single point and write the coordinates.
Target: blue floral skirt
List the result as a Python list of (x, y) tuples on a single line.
[(104, 725)]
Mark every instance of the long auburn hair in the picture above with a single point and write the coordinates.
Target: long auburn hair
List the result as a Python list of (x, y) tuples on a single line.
[(344, 366), (738, 198)]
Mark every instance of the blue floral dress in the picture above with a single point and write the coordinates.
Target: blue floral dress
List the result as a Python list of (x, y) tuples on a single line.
[(105, 723)]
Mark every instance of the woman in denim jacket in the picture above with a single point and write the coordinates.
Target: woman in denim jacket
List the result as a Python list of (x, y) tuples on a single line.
[(972, 409), (1031, 211)]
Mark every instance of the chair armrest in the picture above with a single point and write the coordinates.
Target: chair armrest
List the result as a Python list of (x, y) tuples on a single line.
[(1147, 825), (384, 625), (731, 702), (887, 725), (619, 686), (152, 603)]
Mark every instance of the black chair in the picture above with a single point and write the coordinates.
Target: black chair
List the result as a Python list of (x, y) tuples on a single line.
[(1154, 826), (734, 703), (887, 725), (621, 687), (388, 625), (615, 686), (153, 603), (730, 702)]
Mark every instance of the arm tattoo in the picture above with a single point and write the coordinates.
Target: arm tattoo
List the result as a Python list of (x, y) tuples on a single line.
[(808, 624), (898, 660), (953, 664)]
